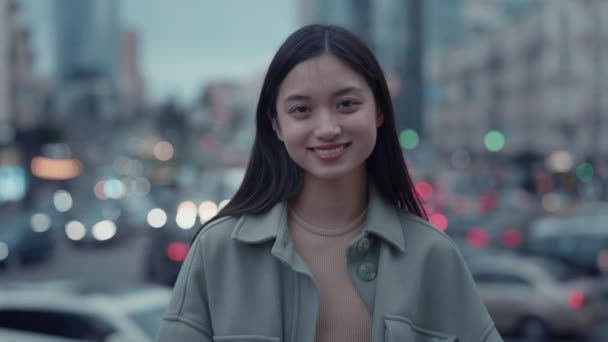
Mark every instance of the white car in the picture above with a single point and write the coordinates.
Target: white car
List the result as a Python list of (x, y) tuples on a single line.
[(83, 311), (537, 297), (15, 335)]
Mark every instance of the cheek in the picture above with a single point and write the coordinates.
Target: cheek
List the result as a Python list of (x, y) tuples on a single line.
[(367, 127), (294, 142), (293, 133)]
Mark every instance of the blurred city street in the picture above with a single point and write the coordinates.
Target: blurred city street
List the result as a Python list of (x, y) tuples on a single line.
[(122, 132), (124, 262)]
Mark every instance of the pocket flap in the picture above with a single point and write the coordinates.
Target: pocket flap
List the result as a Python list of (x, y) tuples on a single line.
[(401, 329)]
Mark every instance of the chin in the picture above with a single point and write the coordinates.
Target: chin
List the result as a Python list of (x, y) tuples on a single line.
[(331, 175)]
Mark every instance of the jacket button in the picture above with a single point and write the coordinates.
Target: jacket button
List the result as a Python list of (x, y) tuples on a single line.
[(367, 271), (363, 245)]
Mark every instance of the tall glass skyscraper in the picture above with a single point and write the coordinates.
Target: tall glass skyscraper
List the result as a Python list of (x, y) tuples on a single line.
[(88, 42)]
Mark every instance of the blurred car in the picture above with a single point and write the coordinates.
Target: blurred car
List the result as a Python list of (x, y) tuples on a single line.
[(536, 297), (166, 252), (14, 335), (460, 225), (500, 230), (134, 211), (83, 311), (171, 233), (505, 229), (26, 236), (97, 223), (579, 240), (471, 251)]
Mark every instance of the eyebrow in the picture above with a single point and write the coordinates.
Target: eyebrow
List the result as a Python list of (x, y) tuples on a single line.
[(339, 92)]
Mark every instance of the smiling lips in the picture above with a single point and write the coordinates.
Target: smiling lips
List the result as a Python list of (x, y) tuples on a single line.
[(330, 152)]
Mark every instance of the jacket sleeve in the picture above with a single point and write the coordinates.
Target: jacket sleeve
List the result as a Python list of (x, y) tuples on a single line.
[(187, 318)]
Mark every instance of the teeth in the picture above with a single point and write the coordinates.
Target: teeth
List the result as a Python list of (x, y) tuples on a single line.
[(328, 152)]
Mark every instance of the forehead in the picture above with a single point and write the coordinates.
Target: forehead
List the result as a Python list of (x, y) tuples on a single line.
[(319, 75)]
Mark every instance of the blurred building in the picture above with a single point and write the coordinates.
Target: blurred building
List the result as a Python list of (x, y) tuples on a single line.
[(131, 81), (12, 177), (445, 24), (88, 52), (538, 81), (25, 101), (18, 99), (356, 15), (4, 67), (21, 102)]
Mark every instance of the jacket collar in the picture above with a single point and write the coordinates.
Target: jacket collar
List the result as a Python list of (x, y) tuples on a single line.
[(382, 221)]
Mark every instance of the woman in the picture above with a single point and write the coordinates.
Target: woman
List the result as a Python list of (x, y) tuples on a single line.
[(325, 240)]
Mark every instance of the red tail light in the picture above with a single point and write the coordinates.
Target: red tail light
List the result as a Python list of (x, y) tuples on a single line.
[(439, 221), (511, 238), (478, 238), (576, 299), (177, 251)]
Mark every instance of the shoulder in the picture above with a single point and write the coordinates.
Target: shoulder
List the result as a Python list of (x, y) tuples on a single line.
[(420, 232), (217, 232)]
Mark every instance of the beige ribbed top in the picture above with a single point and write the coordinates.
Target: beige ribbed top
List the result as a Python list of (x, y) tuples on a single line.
[(342, 314)]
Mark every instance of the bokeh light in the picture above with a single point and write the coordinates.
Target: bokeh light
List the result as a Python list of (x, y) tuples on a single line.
[(104, 230), (494, 141), (559, 161), (75, 230), (223, 203), (40, 222), (62, 200), (584, 172), (409, 139), (141, 186), (424, 190), (511, 238), (177, 251), (98, 190), (186, 215), (207, 210), (163, 151), (478, 238), (114, 188), (157, 218), (439, 221)]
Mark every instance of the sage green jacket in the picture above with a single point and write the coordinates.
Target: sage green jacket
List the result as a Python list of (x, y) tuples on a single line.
[(244, 281)]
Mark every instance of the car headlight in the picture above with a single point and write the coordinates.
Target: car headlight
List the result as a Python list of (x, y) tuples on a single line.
[(75, 230), (104, 230), (40, 222)]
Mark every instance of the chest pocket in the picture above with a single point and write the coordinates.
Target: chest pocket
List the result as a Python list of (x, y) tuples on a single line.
[(245, 338), (401, 329)]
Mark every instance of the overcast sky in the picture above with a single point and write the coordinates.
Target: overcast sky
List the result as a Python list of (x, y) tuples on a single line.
[(184, 43)]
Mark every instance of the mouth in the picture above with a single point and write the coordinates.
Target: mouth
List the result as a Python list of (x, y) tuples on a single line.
[(329, 150)]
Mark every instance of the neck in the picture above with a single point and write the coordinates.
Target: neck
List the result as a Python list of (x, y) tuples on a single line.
[(331, 203)]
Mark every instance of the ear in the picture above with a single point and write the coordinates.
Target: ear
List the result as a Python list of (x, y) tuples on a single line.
[(379, 119), (277, 129)]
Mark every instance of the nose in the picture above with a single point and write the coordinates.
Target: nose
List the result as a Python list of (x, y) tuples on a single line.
[(328, 128)]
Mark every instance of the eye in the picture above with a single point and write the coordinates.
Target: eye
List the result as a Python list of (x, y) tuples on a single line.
[(299, 110), (347, 104)]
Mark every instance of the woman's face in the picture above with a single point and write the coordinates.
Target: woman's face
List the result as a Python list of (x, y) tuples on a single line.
[(327, 118)]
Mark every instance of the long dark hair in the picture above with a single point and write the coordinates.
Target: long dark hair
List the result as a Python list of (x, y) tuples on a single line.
[(272, 176)]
